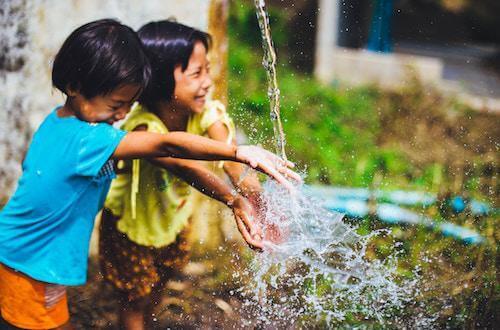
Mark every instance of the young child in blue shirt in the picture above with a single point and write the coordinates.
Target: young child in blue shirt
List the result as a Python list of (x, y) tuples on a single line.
[(45, 227)]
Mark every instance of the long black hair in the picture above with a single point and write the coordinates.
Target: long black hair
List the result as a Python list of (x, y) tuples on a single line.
[(99, 57), (167, 44)]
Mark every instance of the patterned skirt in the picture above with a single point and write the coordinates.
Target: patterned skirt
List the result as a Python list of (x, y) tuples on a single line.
[(135, 269)]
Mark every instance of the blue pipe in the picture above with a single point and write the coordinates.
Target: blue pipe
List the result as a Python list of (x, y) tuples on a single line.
[(401, 197), (354, 203)]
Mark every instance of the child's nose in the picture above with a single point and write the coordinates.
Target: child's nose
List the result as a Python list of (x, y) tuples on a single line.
[(207, 83)]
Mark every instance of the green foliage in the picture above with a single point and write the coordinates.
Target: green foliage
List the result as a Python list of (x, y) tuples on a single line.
[(326, 129), (245, 28), (411, 138)]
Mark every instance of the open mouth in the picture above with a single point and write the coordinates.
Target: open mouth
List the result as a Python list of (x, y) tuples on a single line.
[(200, 98)]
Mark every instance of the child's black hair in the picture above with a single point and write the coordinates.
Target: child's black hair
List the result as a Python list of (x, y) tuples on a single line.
[(167, 44), (99, 57)]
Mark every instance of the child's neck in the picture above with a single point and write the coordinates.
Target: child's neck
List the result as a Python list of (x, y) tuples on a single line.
[(172, 115), (67, 109)]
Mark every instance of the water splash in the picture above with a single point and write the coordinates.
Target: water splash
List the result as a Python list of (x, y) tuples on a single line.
[(315, 267), (269, 63)]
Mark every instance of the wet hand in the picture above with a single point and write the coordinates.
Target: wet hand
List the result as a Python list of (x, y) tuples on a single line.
[(244, 215), (268, 163)]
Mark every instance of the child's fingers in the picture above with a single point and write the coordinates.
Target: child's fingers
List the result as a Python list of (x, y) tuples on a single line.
[(290, 174), (283, 166), (278, 160), (251, 241), (268, 163), (289, 164), (254, 229), (276, 175)]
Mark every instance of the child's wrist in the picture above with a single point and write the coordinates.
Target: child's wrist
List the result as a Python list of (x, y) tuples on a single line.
[(234, 151), (231, 198)]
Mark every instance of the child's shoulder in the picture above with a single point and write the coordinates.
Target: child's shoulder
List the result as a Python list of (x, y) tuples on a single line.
[(214, 106), (55, 125), (214, 111), (140, 115)]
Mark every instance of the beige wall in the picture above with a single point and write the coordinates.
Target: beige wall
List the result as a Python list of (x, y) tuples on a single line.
[(51, 21)]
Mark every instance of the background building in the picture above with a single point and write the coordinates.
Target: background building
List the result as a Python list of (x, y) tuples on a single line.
[(453, 45)]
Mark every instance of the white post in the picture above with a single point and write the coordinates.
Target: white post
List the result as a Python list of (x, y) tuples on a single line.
[(326, 38)]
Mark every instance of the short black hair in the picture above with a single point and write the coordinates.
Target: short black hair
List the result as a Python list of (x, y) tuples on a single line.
[(167, 44), (99, 57)]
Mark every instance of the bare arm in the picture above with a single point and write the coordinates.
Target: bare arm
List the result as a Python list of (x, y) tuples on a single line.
[(194, 174), (213, 186), (176, 144), (198, 177), (184, 145), (250, 185)]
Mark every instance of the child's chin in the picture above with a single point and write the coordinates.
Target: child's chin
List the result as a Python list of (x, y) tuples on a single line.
[(198, 108)]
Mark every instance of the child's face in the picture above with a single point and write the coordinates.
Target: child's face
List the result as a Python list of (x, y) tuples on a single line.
[(107, 108), (192, 84)]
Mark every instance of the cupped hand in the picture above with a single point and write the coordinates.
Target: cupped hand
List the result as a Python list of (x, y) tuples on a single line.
[(245, 215)]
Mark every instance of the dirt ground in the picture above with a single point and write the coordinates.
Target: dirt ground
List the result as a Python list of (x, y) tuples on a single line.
[(195, 299)]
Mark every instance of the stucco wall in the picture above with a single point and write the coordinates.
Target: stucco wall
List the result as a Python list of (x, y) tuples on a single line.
[(51, 21)]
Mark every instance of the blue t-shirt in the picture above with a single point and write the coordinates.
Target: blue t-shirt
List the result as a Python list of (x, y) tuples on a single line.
[(45, 227)]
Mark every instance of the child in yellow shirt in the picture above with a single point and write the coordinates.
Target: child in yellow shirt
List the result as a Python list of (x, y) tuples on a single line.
[(148, 209)]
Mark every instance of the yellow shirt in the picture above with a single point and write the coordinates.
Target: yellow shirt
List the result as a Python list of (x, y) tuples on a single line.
[(154, 205)]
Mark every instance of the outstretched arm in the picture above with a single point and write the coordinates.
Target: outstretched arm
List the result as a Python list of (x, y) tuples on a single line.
[(213, 186), (246, 183), (139, 144), (142, 144)]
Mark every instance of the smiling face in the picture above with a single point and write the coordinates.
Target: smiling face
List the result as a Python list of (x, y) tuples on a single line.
[(192, 84), (107, 108)]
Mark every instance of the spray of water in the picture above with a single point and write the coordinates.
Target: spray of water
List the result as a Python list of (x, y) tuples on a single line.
[(315, 268), (314, 264)]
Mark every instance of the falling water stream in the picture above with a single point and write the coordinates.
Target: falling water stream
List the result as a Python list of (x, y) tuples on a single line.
[(269, 63)]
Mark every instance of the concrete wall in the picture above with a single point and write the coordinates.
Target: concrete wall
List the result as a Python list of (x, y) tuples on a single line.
[(358, 66), (51, 21), (468, 81)]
